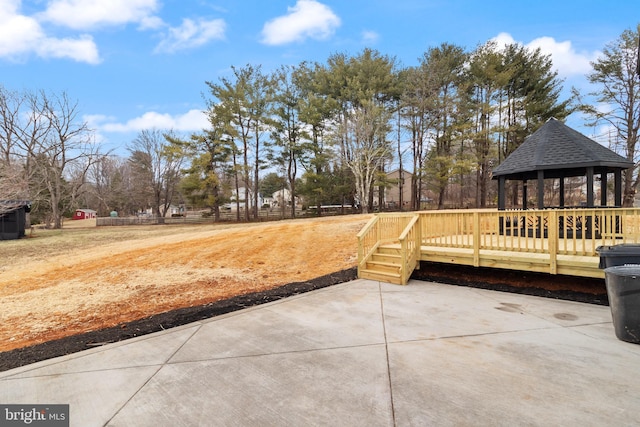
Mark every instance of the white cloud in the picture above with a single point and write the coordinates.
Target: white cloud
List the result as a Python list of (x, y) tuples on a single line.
[(191, 34), (191, 121), (307, 19), (17, 33), (88, 14), (22, 35), (370, 37), (94, 120), (82, 49), (566, 60), (151, 23)]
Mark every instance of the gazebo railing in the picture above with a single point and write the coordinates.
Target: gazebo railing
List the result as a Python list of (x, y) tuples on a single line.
[(576, 231), (556, 241)]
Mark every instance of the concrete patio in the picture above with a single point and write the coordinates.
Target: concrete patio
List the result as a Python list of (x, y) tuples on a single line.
[(362, 353)]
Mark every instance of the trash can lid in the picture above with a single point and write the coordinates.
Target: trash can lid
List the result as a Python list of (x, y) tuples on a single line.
[(621, 249), (624, 270)]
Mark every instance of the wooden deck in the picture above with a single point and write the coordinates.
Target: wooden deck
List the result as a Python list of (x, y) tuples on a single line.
[(554, 241)]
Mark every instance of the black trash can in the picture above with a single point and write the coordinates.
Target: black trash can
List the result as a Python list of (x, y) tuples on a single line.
[(626, 253), (623, 290)]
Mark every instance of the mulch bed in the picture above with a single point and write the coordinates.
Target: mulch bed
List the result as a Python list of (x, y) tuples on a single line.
[(182, 316), (586, 290), (571, 288)]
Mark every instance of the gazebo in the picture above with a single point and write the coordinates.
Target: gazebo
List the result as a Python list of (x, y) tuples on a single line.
[(555, 151)]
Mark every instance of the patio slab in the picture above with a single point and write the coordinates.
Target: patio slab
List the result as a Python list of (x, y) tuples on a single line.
[(361, 353)]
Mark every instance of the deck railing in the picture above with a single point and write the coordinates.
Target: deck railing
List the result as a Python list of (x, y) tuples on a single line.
[(557, 241), (564, 231)]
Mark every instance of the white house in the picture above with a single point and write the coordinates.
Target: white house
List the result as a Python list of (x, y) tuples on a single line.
[(241, 192), (283, 196)]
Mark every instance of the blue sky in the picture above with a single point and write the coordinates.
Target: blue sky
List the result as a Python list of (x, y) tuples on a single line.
[(142, 64)]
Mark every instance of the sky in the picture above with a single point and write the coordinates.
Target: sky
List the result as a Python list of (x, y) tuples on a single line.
[(142, 64)]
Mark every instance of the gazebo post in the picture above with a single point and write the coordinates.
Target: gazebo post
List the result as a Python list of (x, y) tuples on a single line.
[(501, 193), (562, 191), (541, 189), (524, 194), (590, 201), (617, 178), (603, 188)]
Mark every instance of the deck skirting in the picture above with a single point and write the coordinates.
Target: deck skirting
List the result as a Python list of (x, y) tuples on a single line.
[(571, 265)]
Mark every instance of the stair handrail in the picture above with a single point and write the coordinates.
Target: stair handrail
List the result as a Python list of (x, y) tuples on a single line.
[(365, 235), (409, 246)]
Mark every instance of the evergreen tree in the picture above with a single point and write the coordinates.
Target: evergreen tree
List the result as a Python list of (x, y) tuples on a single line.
[(362, 88), (243, 102), (442, 68), (288, 129)]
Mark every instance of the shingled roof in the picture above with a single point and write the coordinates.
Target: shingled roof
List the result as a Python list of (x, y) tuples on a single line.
[(555, 146), (12, 205)]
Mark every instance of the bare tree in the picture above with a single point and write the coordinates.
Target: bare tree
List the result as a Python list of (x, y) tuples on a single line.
[(110, 185), (365, 146), (64, 155), (46, 149), (10, 107), (616, 74), (12, 185), (13, 182), (156, 164)]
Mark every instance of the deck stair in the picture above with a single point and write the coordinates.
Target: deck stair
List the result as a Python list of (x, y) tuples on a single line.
[(384, 265)]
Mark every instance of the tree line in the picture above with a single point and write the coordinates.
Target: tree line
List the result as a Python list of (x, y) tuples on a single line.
[(327, 132)]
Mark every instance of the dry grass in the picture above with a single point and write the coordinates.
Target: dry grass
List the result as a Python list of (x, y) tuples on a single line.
[(59, 283)]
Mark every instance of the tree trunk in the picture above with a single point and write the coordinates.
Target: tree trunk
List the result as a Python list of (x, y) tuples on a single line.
[(237, 184)]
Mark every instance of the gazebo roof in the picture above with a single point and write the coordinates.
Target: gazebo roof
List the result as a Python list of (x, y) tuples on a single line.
[(555, 146)]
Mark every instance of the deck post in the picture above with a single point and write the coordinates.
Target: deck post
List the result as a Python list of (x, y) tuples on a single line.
[(418, 240), (552, 230), (476, 239)]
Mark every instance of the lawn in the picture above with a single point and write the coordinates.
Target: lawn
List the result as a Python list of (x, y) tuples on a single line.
[(58, 283)]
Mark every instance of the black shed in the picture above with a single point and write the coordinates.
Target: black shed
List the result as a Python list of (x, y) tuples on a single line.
[(13, 218), (555, 151)]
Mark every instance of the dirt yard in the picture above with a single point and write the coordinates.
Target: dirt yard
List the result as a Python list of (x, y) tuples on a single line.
[(55, 284)]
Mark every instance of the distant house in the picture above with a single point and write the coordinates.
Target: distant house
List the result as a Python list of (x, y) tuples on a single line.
[(398, 183), (84, 214), (13, 218), (281, 197), (172, 211), (242, 191), (395, 183)]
